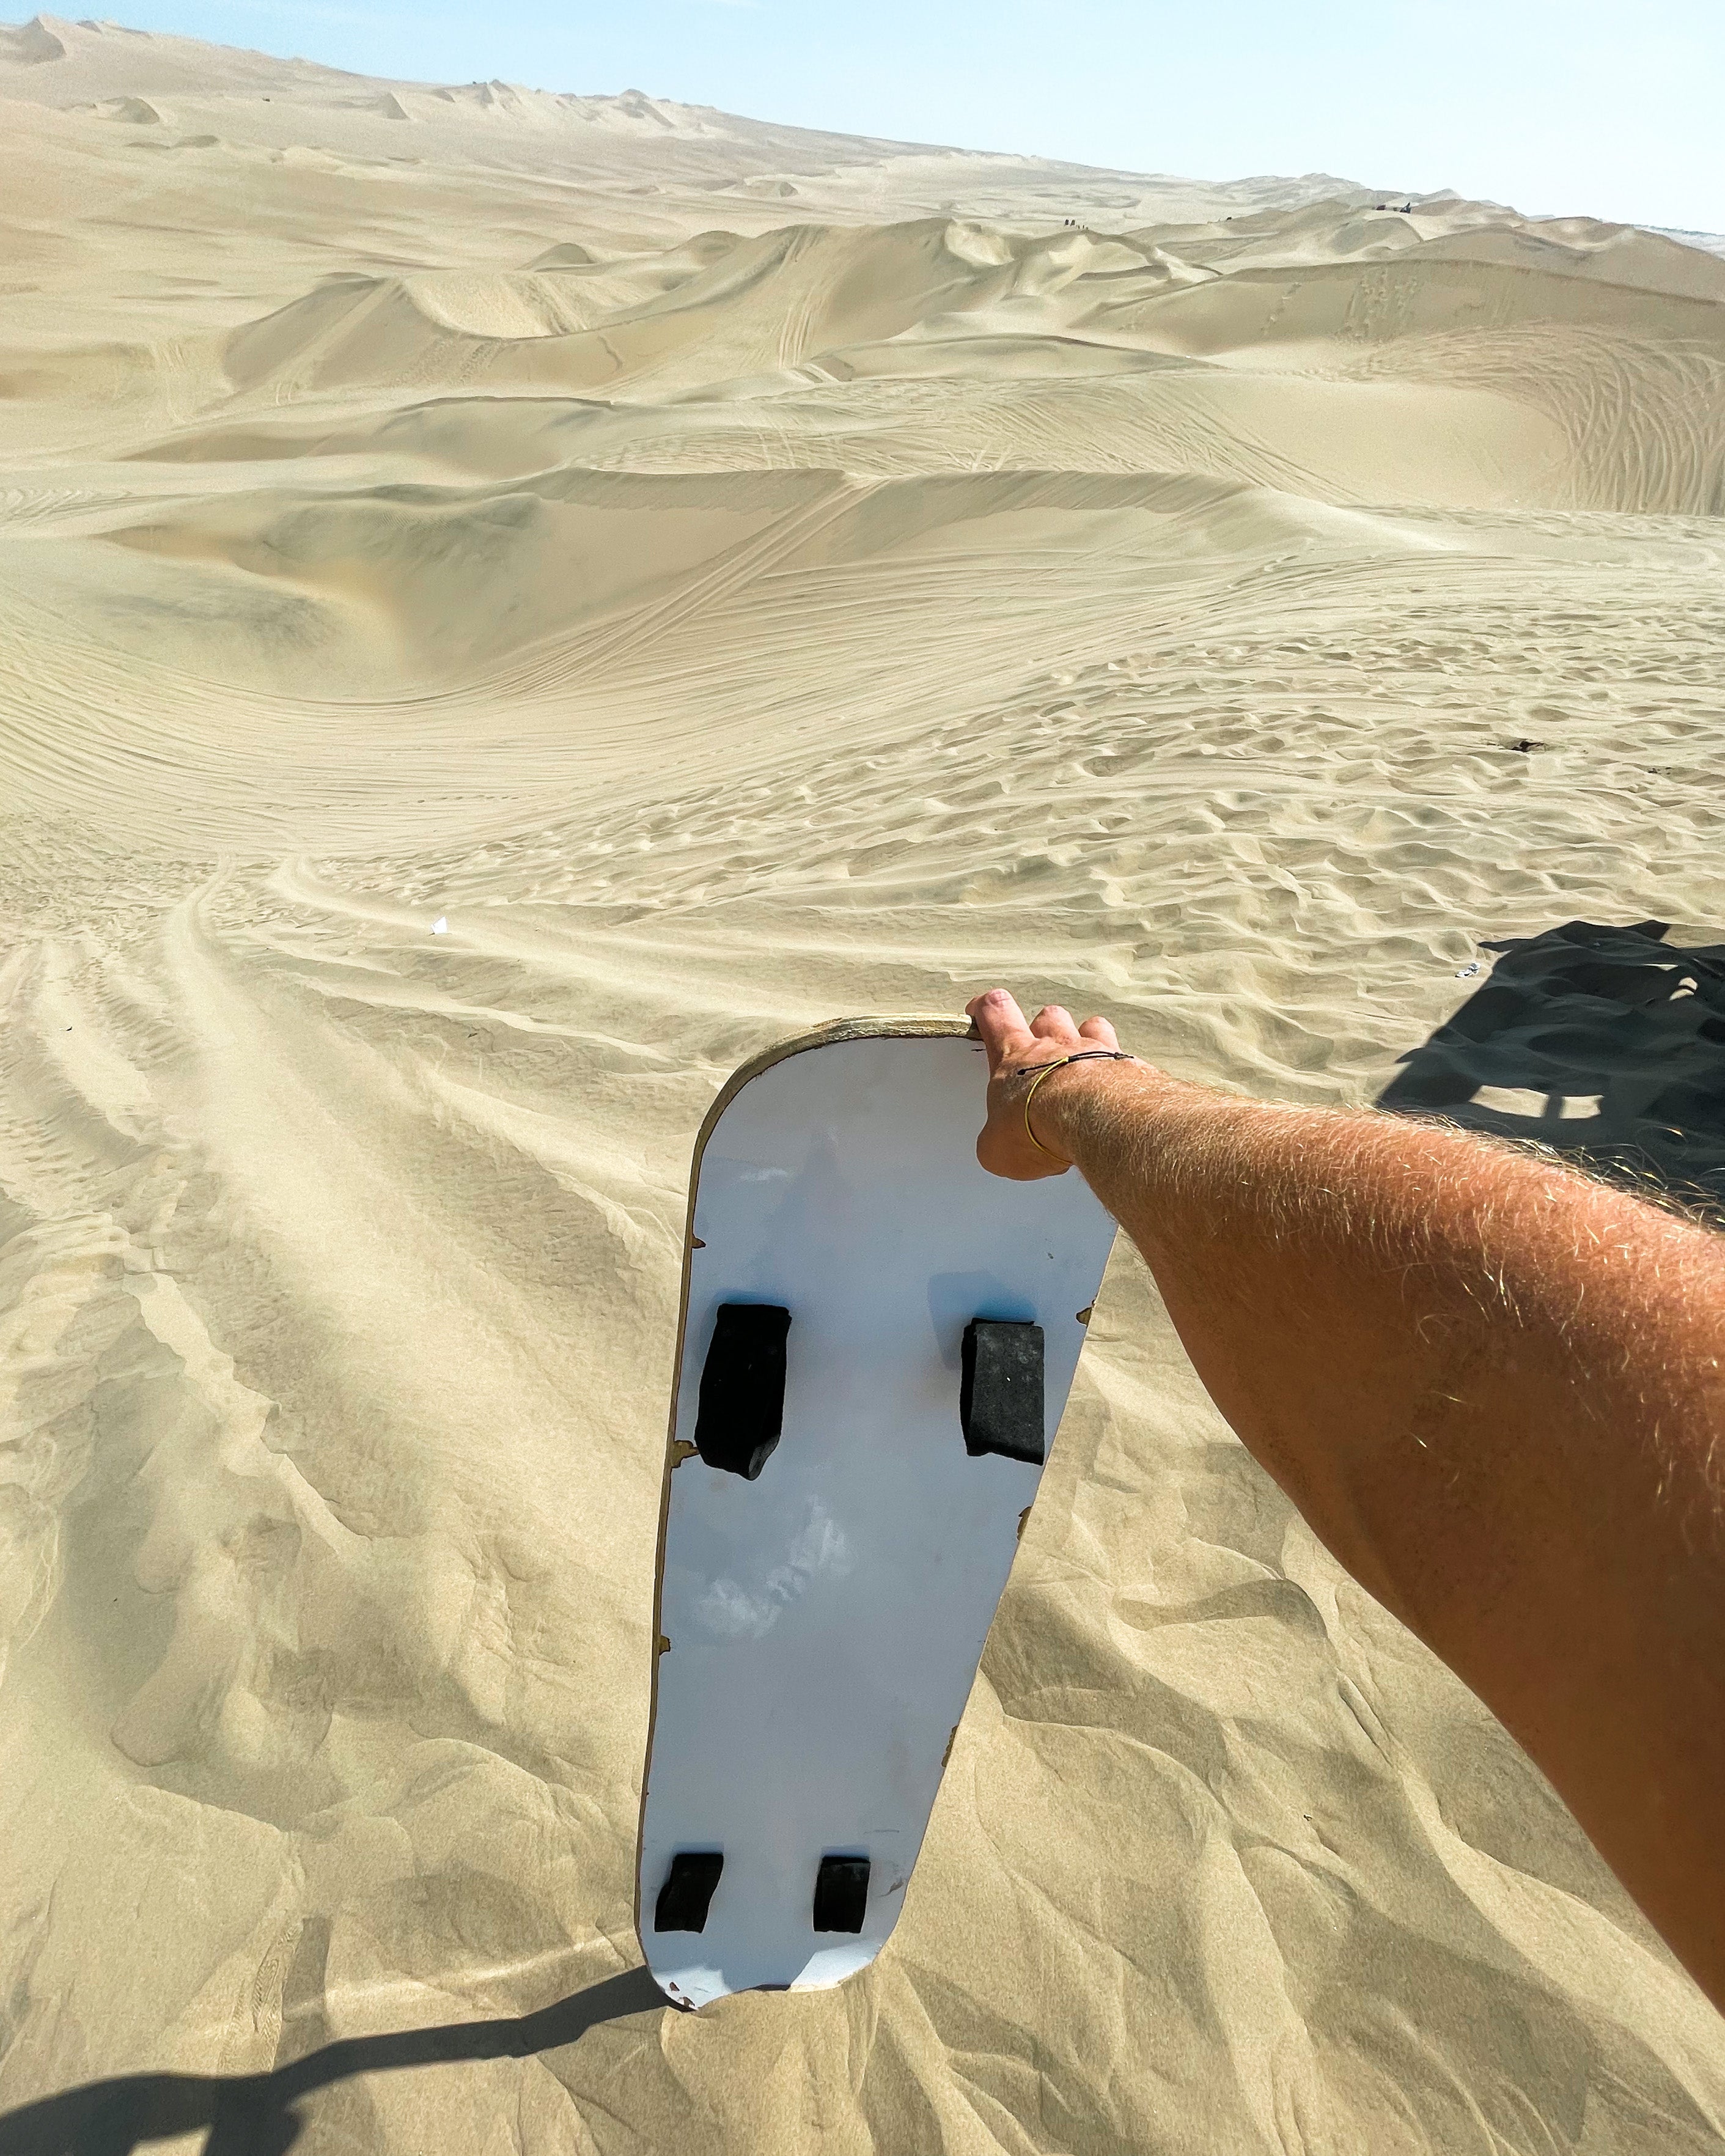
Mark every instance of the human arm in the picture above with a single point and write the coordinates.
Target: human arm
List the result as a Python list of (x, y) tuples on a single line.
[(1494, 1388)]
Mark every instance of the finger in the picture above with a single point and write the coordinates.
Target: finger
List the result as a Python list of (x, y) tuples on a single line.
[(1099, 1030), (1052, 1023), (1002, 1024)]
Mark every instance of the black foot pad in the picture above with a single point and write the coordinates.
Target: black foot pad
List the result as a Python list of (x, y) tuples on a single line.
[(687, 1893), (841, 1893), (741, 1409), (1000, 1392)]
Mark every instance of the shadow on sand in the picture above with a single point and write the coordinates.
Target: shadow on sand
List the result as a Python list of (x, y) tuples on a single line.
[(254, 2114), (1607, 1044)]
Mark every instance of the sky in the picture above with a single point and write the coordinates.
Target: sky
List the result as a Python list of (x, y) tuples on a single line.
[(1603, 108)]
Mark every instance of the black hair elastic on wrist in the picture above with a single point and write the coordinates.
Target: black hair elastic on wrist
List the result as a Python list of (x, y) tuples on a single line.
[(1060, 1063)]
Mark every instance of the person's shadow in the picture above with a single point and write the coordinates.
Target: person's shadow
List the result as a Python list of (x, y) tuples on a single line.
[(255, 2114), (1606, 1044)]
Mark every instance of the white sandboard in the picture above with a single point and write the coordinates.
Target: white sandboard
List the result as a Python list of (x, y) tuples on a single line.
[(820, 1625)]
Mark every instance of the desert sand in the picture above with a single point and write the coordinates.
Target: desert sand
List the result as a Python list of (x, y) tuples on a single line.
[(509, 603)]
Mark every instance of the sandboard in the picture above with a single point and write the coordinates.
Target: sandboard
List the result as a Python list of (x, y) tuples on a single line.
[(877, 1344)]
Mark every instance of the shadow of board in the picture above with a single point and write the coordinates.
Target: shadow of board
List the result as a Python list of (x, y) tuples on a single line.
[(255, 2114), (1607, 1044)]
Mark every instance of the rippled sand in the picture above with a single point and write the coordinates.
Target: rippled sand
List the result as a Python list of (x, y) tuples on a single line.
[(732, 577)]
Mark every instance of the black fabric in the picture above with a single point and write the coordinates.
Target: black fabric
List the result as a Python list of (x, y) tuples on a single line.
[(687, 1893), (1000, 1390), (741, 1410), (841, 1894)]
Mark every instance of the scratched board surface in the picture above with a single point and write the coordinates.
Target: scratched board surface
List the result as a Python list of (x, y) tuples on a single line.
[(826, 1619)]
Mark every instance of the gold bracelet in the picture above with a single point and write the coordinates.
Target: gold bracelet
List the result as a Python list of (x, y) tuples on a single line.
[(1045, 1069)]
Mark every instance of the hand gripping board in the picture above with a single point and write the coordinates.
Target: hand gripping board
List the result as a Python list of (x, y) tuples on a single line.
[(877, 1343)]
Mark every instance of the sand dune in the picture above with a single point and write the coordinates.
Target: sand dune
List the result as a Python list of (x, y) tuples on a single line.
[(730, 576)]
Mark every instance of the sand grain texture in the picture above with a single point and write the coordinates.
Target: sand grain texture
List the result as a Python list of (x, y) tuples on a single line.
[(735, 577)]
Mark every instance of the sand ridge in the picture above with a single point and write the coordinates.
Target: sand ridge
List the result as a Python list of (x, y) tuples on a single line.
[(730, 576)]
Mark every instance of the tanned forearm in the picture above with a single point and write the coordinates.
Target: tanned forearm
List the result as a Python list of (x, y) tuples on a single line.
[(1494, 1388)]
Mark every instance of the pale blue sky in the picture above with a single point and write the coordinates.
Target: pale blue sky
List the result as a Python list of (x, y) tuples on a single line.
[(1615, 108)]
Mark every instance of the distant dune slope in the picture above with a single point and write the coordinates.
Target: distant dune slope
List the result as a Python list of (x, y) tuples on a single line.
[(511, 600)]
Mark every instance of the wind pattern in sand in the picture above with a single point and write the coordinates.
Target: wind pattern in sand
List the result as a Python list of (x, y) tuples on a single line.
[(731, 577)]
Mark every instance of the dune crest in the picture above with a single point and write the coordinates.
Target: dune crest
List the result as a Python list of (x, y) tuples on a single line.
[(34, 43), (509, 602)]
